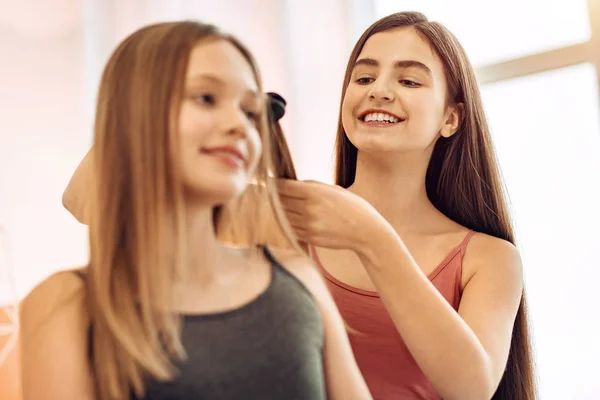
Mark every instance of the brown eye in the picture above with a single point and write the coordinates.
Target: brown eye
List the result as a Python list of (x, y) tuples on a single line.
[(207, 99), (409, 83), (364, 80), (251, 115)]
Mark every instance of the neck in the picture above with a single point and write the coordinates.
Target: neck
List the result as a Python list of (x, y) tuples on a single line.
[(203, 250), (395, 186)]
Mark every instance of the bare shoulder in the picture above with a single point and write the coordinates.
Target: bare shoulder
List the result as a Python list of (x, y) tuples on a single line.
[(492, 255), (54, 327), (62, 292), (486, 248)]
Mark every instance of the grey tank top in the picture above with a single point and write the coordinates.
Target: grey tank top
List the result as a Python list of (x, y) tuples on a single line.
[(270, 348)]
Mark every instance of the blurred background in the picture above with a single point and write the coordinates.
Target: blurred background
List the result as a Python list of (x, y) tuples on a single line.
[(538, 63)]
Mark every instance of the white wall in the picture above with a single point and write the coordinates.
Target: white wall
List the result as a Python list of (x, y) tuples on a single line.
[(42, 136), (51, 62)]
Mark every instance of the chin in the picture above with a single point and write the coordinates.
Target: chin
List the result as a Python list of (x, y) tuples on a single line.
[(376, 144), (215, 193)]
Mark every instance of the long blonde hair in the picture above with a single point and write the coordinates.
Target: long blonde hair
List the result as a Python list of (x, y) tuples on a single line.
[(136, 229), (463, 179)]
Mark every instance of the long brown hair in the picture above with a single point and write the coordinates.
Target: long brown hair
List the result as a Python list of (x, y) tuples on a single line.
[(463, 179), (137, 228)]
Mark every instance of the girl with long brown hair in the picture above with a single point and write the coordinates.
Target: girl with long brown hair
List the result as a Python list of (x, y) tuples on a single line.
[(164, 310), (416, 241)]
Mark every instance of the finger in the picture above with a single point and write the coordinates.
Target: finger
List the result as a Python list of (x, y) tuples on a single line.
[(314, 186), (313, 182), (289, 211), (301, 235), (304, 237), (296, 225), (293, 204), (291, 188), (296, 220)]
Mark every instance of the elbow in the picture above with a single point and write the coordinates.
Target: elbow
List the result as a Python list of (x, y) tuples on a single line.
[(74, 206), (476, 384), (482, 390), (66, 200), (474, 390), (69, 204), (69, 199)]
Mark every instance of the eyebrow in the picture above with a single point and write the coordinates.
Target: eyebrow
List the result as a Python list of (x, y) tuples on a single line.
[(220, 82), (397, 64)]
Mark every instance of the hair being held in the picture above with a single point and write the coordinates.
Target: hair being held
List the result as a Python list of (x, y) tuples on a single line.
[(236, 219)]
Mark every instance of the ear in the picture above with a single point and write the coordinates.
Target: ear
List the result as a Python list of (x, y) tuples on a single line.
[(454, 116)]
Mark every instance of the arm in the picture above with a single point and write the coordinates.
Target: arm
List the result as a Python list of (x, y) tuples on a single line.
[(54, 341), (74, 196), (462, 354), (343, 378)]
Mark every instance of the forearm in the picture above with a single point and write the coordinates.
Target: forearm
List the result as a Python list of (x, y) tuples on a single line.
[(444, 346)]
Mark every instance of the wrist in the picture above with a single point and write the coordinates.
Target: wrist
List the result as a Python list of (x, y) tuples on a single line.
[(376, 239)]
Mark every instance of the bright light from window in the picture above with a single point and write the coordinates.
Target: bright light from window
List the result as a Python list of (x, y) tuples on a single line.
[(546, 130), (493, 31)]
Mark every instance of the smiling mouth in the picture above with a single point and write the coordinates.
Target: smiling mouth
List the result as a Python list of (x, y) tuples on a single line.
[(228, 155), (379, 119)]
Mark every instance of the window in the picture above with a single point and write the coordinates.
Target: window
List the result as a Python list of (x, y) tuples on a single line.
[(546, 128), (496, 31)]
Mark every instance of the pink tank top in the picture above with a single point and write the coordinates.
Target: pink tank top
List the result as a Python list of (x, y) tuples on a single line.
[(383, 358)]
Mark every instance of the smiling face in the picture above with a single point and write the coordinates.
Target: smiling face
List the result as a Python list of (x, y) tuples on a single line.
[(219, 142), (396, 100)]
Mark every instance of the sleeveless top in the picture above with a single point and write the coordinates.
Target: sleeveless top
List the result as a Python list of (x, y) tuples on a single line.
[(384, 360), (270, 348)]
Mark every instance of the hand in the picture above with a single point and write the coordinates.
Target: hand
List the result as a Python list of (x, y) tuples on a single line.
[(328, 216)]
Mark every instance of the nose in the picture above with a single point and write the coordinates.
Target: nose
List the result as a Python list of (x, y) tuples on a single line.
[(235, 122), (381, 91)]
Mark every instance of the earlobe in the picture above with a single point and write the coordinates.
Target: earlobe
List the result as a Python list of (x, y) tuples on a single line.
[(453, 121)]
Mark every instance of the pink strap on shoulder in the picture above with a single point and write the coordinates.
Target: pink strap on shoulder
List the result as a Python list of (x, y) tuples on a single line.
[(466, 240)]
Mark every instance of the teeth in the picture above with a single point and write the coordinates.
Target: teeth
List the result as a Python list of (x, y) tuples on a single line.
[(380, 117)]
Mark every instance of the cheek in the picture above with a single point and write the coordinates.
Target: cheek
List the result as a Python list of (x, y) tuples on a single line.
[(426, 111), (194, 126), (348, 106)]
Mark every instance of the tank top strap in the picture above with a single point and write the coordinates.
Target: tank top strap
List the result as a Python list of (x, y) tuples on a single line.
[(463, 245)]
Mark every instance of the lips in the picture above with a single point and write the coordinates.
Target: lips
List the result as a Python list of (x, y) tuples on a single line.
[(229, 154)]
